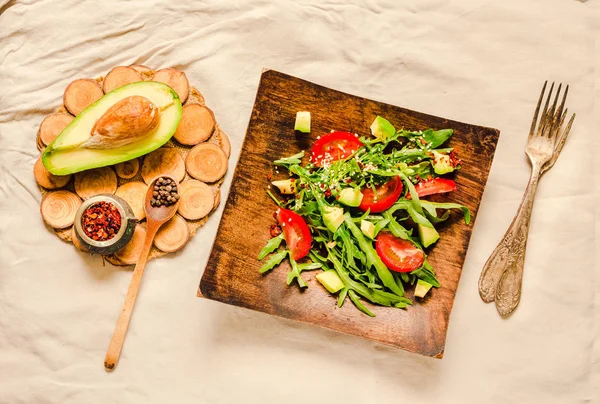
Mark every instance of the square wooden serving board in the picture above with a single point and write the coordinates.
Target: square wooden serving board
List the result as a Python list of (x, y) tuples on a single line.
[(231, 275)]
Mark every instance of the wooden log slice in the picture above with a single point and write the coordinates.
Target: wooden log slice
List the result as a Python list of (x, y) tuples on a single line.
[(196, 125), (175, 79), (206, 162), (127, 169), (58, 208), (52, 125), (80, 94), (196, 199), (195, 97), (90, 183), (217, 200), (46, 179), (224, 143), (120, 76), (163, 161), (76, 241), (172, 235), (130, 254), (146, 72), (134, 194)]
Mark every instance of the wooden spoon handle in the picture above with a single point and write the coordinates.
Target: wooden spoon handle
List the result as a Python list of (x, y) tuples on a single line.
[(116, 343)]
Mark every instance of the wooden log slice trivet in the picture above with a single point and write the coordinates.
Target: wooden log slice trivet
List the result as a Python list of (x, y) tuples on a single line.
[(131, 172)]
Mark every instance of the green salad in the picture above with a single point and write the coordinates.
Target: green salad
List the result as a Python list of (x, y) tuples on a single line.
[(356, 213)]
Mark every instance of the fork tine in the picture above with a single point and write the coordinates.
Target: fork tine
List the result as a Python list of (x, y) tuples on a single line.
[(563, 136), (562, 119), (559, 117), (559, 114), (544, 117), (551, 114), (537, 110)]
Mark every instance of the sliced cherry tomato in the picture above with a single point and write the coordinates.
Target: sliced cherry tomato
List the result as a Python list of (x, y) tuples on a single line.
[(434, 186), (334, 146), (386, 195), (398, 254), (295, 232)]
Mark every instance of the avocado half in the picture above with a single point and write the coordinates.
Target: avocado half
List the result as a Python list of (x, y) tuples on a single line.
[(66, 155)]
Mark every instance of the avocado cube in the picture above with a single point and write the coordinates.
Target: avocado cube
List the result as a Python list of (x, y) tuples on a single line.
[(442, 163), (286, 187), (367, 228), (302, 121), (331, 281), (422, 288), (381, 128), (333, 217), (350, 197), (428, 235)]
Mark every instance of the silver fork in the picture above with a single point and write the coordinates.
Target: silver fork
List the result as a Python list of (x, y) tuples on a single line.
[(502, 274)]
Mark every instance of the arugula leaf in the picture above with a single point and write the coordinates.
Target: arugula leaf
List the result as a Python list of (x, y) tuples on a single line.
[(342, 297), (423, 170), (431, 214), (396, 228), (436, 138), (309, 266), (271, 246), (356, 300), (380, 225), (374, 296), (414, 197), (295, 274), (448, 205), (425, 272), (398, 279), (295, 159), (348, 246), (275, 199), (273, 261), (372, 258), (417, 217)]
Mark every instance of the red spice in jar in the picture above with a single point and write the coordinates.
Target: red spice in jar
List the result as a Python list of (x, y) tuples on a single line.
[(101, 221)]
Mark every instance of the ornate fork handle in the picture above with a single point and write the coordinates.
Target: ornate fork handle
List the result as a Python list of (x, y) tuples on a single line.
[(502, 274)]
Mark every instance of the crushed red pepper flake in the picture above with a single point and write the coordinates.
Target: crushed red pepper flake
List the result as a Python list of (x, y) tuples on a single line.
[(101, 221), (454, 159), (275, 230)]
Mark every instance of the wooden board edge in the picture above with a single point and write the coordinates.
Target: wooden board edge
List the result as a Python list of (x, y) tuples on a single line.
[(437, 353), (202, 293), (268, 71)]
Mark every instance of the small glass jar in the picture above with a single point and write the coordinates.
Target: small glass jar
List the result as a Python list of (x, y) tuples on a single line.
[(123, 235)]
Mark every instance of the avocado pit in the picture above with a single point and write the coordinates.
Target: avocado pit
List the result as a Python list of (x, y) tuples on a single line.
[(127, 121)]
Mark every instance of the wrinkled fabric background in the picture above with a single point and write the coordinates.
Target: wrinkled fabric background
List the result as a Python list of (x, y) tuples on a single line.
[(477, 61)]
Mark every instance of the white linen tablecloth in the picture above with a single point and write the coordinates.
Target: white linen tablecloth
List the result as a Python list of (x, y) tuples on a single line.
[(476, 61)]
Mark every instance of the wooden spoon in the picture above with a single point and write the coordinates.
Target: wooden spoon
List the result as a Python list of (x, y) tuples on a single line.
[(156, 216)]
